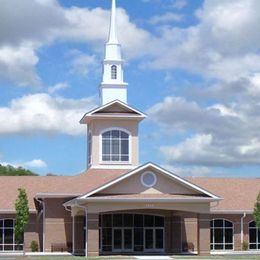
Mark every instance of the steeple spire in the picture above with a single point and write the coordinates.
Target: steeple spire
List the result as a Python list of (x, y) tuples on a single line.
[(113, 86), (112, 30)]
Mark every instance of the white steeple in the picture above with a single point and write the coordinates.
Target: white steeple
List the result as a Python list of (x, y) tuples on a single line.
[(113, 86)]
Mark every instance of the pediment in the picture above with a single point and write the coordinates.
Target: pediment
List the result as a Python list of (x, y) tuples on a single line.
[(116, 108), (113, 109), (163, 185), (166, 183)]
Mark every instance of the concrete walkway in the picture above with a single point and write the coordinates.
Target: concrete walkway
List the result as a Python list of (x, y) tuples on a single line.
[(153, 257)]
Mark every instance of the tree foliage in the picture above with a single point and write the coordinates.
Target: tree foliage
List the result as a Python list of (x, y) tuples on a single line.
[(22, 215), (257, 211), (12, 171)]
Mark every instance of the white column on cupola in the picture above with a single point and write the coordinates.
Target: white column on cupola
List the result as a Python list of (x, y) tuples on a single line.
[(113, 86)]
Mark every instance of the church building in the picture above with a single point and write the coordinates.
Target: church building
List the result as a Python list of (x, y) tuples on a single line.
[(120, 207)]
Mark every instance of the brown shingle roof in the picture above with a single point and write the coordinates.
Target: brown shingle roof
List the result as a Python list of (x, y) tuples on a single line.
[(78, 184), (237, 194)]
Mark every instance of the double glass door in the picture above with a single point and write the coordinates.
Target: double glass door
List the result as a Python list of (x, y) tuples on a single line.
[(123, 239), (153, 239), (131, 233)]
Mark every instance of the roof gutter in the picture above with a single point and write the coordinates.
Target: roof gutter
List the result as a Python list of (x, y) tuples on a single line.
[(56, 195), (13, 211), (227, 211), (162, 200)]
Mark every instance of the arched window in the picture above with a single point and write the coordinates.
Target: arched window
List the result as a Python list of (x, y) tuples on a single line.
[(113, 72), (7, 237), (221, 234), (254, 236), (115, 146)]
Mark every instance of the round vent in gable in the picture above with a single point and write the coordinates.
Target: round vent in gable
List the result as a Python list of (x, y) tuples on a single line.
[(148, 179)]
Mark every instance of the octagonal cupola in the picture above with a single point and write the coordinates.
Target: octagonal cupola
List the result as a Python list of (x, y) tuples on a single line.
[(113, 86)]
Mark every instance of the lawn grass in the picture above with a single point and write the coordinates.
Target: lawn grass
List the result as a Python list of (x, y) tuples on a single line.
[(228, 257)]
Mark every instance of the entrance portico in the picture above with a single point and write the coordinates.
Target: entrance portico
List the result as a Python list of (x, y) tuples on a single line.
[(150, 229), (126, 216)]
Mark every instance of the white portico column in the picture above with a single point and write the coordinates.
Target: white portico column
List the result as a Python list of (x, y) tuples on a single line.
[(73, 234), (73, 215), (86, 232)]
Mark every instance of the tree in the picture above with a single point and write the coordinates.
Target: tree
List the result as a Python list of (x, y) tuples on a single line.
[(9, 170), (22, 215), (256, 213)]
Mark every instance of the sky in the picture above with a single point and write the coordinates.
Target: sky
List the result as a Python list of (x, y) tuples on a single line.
[(192, 66)]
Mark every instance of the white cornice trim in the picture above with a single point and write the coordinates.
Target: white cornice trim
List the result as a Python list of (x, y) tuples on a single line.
[(90, 114), (230, 211), (56, 195), (159, 169), (115, 84), (113, 166), (162, 200), (13, 211)]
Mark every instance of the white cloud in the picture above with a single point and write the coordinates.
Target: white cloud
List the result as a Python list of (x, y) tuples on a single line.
[(166, 18), (218, 135), (224, 44), (18, 64), (36, 163), (57, 87), (195, 171), (33, 164), (25, 29), (83, 64), (42, 113), (178, 4)]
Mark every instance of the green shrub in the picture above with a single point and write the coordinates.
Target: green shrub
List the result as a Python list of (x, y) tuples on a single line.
[(34, 246), (244, 246)]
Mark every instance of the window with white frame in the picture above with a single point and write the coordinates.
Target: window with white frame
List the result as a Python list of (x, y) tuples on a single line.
[(7, 236), (221, 234), (115, 146), (113, 72), (254, 236)]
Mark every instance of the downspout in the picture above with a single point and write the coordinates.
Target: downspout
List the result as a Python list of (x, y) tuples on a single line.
[(42, 212), (73, 229), (242, 228)]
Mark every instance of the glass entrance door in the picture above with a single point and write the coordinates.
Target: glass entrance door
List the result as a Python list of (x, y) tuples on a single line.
[(131, 233), (159, 239), (117, 239), (122, 239), (149, 239), (154, 239), (128, 239)]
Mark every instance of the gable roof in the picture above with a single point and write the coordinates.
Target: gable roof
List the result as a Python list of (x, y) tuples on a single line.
[(114, 109), (158, 169), (239, 194)]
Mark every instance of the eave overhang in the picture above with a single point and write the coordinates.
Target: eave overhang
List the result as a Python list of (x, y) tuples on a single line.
[(229, 211), (161, 200), (56, 195), (99, 113)]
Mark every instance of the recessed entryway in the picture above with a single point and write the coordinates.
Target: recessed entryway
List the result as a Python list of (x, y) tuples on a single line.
[(131, 233)]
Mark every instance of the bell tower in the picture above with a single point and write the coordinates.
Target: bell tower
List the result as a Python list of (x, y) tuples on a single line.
[(113, 86), (113, 141)]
